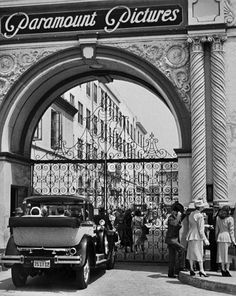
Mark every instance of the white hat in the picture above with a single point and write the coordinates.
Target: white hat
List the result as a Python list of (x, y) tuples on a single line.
[(200, 203)]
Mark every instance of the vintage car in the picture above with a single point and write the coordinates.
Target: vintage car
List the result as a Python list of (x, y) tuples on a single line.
[(58, 232)]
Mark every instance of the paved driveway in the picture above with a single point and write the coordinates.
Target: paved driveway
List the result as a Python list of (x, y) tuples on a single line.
[(125, 280)]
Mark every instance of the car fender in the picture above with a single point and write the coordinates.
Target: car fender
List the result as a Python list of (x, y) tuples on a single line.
[(11, 249), (86, 248)]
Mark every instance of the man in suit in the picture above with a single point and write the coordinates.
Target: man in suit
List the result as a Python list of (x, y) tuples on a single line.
[(176, 250)]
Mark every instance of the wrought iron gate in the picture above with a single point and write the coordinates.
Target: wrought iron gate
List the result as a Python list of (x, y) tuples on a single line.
[(149, 183)]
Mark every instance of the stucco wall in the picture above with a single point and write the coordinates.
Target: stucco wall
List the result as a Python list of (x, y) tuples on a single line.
[(11, 173), (230, 72)]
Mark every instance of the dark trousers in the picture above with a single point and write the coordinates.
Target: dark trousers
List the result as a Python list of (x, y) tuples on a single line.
[(176, 258)]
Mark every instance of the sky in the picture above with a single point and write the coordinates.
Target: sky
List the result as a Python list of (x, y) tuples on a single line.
[(151, 112)]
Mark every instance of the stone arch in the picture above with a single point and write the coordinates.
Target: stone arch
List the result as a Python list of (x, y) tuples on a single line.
[(37, 88)]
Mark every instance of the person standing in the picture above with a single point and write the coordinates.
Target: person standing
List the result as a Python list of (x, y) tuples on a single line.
[(196, 237), (176, 250), (128, 231), (119, 226), (224, 237), (137, 224)]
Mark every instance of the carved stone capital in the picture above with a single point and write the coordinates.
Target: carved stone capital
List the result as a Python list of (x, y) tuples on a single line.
[(218, 42), (196, 43)]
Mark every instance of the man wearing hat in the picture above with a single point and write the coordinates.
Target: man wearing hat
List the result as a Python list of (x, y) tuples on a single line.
[(176, 250)]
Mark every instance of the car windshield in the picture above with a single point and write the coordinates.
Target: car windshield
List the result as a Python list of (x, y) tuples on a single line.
[(75, 210), (66, 206)]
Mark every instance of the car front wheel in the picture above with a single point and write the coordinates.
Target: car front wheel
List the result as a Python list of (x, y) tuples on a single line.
[(18, 275), (83, 275)]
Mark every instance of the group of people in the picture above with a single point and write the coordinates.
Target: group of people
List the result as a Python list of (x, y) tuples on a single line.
[(196, 238), (131, 228), (45, 211)]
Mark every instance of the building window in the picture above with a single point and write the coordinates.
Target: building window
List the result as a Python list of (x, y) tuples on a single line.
[(95, 125), (110, 107), (80, 149), (88, 119), (38, 132), (56, 129), (95, 153), (88, 89), (124, 147), (128, 151), (117, 142), (102, 129), (117, 114), (80, 113), (72, 99), (120, 119), (88, 150), (124, 123), (110, 135), (102, 98), (95, 93)]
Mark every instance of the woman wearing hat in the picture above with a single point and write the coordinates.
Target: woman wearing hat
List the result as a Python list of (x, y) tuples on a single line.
[(224, 237), (196, 237)]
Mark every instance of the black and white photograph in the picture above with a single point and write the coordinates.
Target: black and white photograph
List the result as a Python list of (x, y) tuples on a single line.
[(117, 147)]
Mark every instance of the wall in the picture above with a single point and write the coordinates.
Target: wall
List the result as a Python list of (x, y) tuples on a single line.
[(12, 173)]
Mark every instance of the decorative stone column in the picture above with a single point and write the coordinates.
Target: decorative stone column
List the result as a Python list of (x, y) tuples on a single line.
[(198, 121), (220, 178)]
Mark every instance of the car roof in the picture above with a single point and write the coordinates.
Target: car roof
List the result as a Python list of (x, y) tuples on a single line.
[(57, 199)]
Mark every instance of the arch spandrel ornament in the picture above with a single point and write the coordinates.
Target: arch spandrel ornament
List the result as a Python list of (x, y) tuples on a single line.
[(229, 13), (14, 62), (171, 58)]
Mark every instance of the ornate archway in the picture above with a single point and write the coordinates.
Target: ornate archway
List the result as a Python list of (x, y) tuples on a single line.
[(36, 89)]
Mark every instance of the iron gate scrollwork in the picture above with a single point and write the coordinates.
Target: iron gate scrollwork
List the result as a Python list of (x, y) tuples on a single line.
[(127, 176)]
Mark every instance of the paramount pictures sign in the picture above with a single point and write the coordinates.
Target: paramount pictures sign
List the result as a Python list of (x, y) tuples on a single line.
[(119, 17)]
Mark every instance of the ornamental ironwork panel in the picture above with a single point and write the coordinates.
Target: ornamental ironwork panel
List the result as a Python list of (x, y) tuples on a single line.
[(108, 166)]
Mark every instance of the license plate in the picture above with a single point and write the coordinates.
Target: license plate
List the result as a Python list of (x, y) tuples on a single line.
[(42, 263)]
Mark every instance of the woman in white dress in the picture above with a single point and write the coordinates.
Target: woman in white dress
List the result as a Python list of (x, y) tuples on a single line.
[(196, 237), (224, 237)]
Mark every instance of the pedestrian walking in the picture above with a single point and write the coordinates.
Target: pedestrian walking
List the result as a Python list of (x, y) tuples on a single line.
[(224, 237), (196, 237), (176, 250)]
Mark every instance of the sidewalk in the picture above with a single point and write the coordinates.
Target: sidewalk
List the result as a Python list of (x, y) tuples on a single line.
[(215, 281)]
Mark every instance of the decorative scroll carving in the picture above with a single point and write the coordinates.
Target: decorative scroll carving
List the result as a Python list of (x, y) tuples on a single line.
[(229, 13), (219, 121), (198, 119), (16, 62), (172, 59)]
